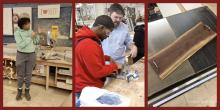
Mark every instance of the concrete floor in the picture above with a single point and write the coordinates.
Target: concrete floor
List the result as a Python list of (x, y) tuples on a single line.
[(53, 97), (204, 95)]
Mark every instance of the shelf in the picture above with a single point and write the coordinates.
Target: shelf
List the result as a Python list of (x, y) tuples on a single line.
[(38, 80), (66, 79), (61, 77), (64, 85), (65, 72), (69, 81), (52, 81), (42, 80), (38, 74)]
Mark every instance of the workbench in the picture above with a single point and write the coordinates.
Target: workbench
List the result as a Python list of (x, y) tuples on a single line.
[(55, 79), (57, 64), (134, 90)]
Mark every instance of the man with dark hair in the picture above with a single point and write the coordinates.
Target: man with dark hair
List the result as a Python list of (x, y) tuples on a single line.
[(119, 39), (26, 40), (90, 67), (116, 8)]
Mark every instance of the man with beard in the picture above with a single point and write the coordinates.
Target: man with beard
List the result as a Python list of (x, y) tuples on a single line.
[(119, 39)]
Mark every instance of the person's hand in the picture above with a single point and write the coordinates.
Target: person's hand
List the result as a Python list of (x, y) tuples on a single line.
[(133, 51), (33, 34), (111, 60), (119, 66)]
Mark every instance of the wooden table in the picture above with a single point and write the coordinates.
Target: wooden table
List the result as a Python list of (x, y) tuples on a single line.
[(47, 64), (56, 63), (134, 90)]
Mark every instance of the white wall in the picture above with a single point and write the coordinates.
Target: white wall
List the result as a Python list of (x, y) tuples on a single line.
[(190, 6), (7, 21), (168, 9)]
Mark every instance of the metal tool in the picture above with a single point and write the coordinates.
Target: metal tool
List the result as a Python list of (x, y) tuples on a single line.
[(132, 76)]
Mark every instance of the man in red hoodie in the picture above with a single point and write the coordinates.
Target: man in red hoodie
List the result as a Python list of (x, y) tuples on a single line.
[(90, 67)]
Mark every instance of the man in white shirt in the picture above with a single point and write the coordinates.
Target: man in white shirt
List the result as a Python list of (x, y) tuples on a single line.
[(119, 39)]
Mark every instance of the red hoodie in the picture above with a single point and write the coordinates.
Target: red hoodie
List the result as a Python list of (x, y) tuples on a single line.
[(90, 65)]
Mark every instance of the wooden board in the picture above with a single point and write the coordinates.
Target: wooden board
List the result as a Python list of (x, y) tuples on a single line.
[(168, 59)]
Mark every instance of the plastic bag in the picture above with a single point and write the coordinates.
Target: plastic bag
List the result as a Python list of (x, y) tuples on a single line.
[(96, 97)]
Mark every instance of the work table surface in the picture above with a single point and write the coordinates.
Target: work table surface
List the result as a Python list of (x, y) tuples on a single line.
[(134, 90)]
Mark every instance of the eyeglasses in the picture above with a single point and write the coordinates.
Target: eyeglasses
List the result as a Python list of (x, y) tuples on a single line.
[(107, 32)]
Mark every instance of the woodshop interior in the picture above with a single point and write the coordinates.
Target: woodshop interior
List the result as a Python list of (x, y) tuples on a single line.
[(193, 83), (52, 76), (134, 16)]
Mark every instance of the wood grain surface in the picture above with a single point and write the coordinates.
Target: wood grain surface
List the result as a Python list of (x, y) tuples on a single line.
[(169, 58)]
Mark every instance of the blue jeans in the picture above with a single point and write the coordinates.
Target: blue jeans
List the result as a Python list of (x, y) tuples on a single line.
[(77, 95)]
